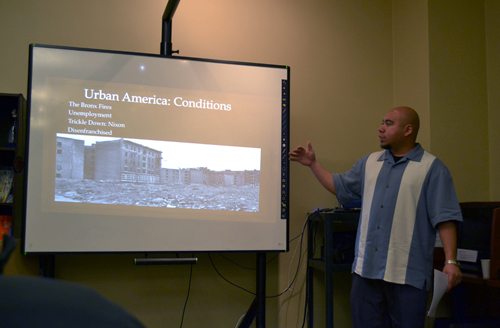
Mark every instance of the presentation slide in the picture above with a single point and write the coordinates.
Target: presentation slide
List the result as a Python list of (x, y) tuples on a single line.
[(143, 153)]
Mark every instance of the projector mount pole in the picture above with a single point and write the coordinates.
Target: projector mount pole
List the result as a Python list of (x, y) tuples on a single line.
[(166, 33), (257, 310)]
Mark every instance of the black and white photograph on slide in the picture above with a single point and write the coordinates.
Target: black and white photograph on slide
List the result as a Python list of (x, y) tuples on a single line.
[(125, 171)]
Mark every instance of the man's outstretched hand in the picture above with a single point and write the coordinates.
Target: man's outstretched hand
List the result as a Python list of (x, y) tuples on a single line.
[(302, 155)]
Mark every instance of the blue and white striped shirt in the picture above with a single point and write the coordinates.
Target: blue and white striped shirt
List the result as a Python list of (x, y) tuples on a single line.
[(401, 205)]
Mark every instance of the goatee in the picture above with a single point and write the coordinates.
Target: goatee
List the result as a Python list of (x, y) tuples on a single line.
[(387, 146)]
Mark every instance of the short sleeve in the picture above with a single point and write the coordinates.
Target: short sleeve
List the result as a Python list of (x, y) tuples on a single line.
[(349, 185), (442, 201)]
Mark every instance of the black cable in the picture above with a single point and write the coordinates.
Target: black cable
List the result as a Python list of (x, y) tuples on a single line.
[(187, 297), (237, 264), (301, 236), (244, 267), (269, 261), (296, 237), (272, 259), (313, 251), (300, 260), (246, 290), (314, 236), (305, 314)]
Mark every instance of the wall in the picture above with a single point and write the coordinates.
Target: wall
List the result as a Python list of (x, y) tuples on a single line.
[(411, 61), (341, 66), (492, 9), (458, 94), (445, 64), (351, 61)]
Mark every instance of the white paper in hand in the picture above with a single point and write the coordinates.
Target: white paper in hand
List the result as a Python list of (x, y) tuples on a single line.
[(440, 285)]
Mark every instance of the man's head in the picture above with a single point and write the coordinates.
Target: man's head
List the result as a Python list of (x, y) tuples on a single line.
[(399, 130)]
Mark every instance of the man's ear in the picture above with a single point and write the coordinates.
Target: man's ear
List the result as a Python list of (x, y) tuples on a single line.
[(408, 130)]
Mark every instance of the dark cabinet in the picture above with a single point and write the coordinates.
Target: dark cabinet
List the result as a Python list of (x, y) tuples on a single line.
[(12, 152)]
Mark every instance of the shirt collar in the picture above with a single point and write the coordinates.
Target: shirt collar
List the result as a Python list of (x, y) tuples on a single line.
[(414, 155)]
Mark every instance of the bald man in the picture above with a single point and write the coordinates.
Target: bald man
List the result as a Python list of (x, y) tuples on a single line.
[(407, 195)]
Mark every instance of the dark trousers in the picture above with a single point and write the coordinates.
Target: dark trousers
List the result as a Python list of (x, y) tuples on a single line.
[(376, 303)]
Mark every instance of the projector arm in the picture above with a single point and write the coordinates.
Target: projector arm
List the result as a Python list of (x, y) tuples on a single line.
[(166, 35)]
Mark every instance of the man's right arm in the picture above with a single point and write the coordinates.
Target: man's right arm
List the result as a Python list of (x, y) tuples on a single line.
[(307, 157), (323, 176)]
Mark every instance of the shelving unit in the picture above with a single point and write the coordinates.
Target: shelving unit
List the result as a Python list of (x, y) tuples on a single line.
[(331, 238), (12, 151)]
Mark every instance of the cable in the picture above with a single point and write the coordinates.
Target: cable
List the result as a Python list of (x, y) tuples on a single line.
[(315, 212), (237, 264), (291, 261), (239, 320), (247, 268), (290, 284), (242, 288), (296, 237), (235, 285), (299, 246), (298, 264), (187, 297), (288, 303), (272, 259), (244, 267)]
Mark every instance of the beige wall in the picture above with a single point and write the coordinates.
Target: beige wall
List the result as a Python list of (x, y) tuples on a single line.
[(492, 9), (411, 61), (459, 107), (350, 62)]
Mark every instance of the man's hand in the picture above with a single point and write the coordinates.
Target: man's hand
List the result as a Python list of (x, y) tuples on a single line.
[(454, 275), (302, 155), (448, 234), (307, 157)]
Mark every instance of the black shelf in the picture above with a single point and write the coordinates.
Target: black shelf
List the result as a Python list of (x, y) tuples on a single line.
[(331, 237), (12, 153)]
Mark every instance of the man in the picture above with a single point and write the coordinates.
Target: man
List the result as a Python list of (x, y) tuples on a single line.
[(407, 194)]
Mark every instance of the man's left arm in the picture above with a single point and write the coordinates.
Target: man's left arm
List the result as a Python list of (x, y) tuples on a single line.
[(448, 234)]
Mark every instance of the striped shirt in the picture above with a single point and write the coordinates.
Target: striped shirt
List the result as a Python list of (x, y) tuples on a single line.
[(401, 205)]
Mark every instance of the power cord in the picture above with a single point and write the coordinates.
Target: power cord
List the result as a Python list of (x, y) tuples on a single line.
[(301, 235), (189, 291), (290, 284)]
